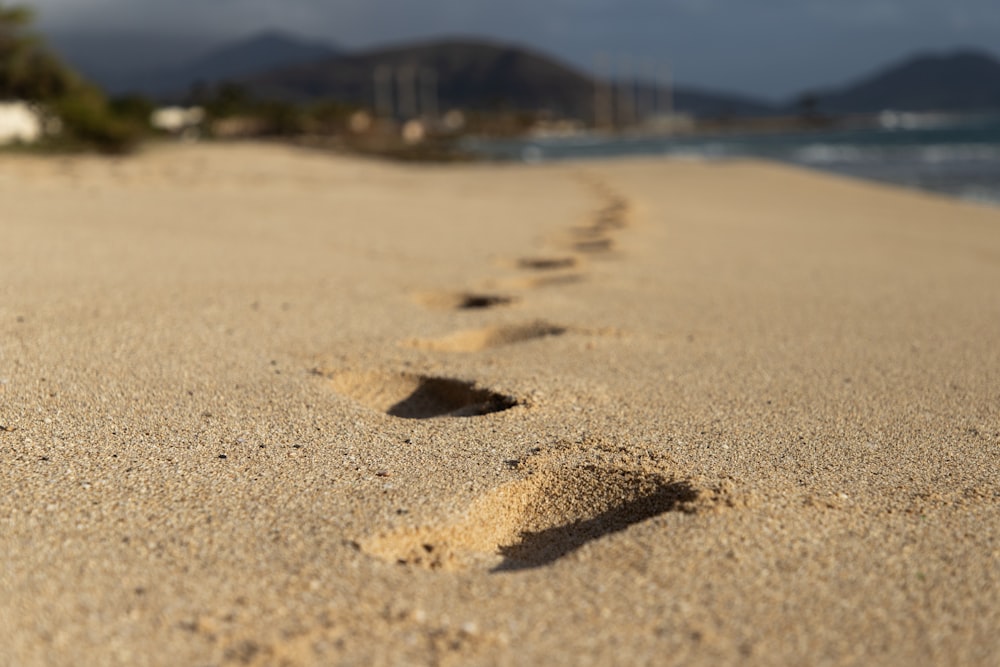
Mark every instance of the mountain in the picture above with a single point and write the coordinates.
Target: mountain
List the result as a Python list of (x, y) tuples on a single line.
[(471, 74), (481, 74), (261, 52), (715, 104), (474, 74), (963, 81), (164, 65)]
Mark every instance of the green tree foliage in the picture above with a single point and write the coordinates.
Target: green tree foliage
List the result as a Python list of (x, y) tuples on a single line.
[(88, 121), (229, 99), (272, 118), (29, 72)]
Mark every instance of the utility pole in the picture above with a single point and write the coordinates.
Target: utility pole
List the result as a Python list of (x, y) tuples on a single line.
[(665, 92), (429, 93), (647, 91), (406, 80), (625, 84), (383, 91)]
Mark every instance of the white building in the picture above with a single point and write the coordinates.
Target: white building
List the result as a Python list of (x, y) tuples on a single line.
[(178, 120), (19, 123)]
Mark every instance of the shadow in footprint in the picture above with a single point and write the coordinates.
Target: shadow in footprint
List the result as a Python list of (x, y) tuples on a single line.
[(542, 547), (609, 222), (436, 397), (545, 280), (476, 340), (535, 521), (547, 263), (597, 245), (411, 396), (463, 300), (476, 301)]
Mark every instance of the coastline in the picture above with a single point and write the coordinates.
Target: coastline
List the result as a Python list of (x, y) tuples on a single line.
[(958, 156), (260, 404)]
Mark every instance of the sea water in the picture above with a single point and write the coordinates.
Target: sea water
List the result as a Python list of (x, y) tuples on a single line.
[(952, 155)]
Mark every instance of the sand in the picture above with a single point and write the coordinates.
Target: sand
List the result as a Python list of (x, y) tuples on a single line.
[(261, 406)]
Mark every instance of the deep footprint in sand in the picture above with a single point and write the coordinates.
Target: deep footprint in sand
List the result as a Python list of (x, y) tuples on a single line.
[(538, 520), (612, 217), (463, 300), (412, 396), (547, 263), (475, 340), (543, 281), (597, 245)]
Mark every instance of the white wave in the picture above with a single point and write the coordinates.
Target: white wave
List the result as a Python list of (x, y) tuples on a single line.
[(944, 153), (835, 153), (909, 120), (933, 154), (706, 151), (532, 154), (980, 195)]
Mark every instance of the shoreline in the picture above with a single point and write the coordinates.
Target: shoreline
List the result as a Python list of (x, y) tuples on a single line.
[(961, 160)]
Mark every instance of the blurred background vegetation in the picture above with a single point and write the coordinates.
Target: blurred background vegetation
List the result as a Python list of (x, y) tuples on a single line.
[(79, 116), (77, 113)]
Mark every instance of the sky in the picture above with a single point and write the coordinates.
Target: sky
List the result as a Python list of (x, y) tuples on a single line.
[(766, 48)]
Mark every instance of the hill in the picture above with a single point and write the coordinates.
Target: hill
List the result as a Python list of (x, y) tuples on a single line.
[(261, 52), (964, 81), (469, 74), (472, 73)]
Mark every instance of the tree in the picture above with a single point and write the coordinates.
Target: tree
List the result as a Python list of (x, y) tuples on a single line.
[(27, 70)]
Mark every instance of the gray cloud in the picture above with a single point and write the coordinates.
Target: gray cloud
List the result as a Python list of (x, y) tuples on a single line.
[(770, 47)]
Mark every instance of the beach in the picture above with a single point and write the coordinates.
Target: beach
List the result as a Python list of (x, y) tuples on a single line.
[(266, 406)]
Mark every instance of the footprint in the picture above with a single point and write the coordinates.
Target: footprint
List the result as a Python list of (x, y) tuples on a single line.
[(551, 280), (617, 206), (586, 232), (598, 502), (462, 300), (475, 340), (605, 223), (586, 239), (547, 263), (596, 245), (538, 520), (412, 396)]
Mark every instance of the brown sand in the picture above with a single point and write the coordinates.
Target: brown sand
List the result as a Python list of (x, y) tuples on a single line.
[(260, 406)]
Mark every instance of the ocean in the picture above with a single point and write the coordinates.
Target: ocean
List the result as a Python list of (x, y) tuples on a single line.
[(952, 155)]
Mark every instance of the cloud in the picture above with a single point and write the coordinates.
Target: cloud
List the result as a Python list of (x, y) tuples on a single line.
[(367, 20)]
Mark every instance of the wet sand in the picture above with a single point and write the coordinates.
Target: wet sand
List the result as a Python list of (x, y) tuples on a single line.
[(261, 406)]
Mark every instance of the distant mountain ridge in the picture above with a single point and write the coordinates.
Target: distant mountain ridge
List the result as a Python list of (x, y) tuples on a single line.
[(261, 52), (469, 73), (476, 74), (962, 81), (257, 53), (483, 74), (472, 72)]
